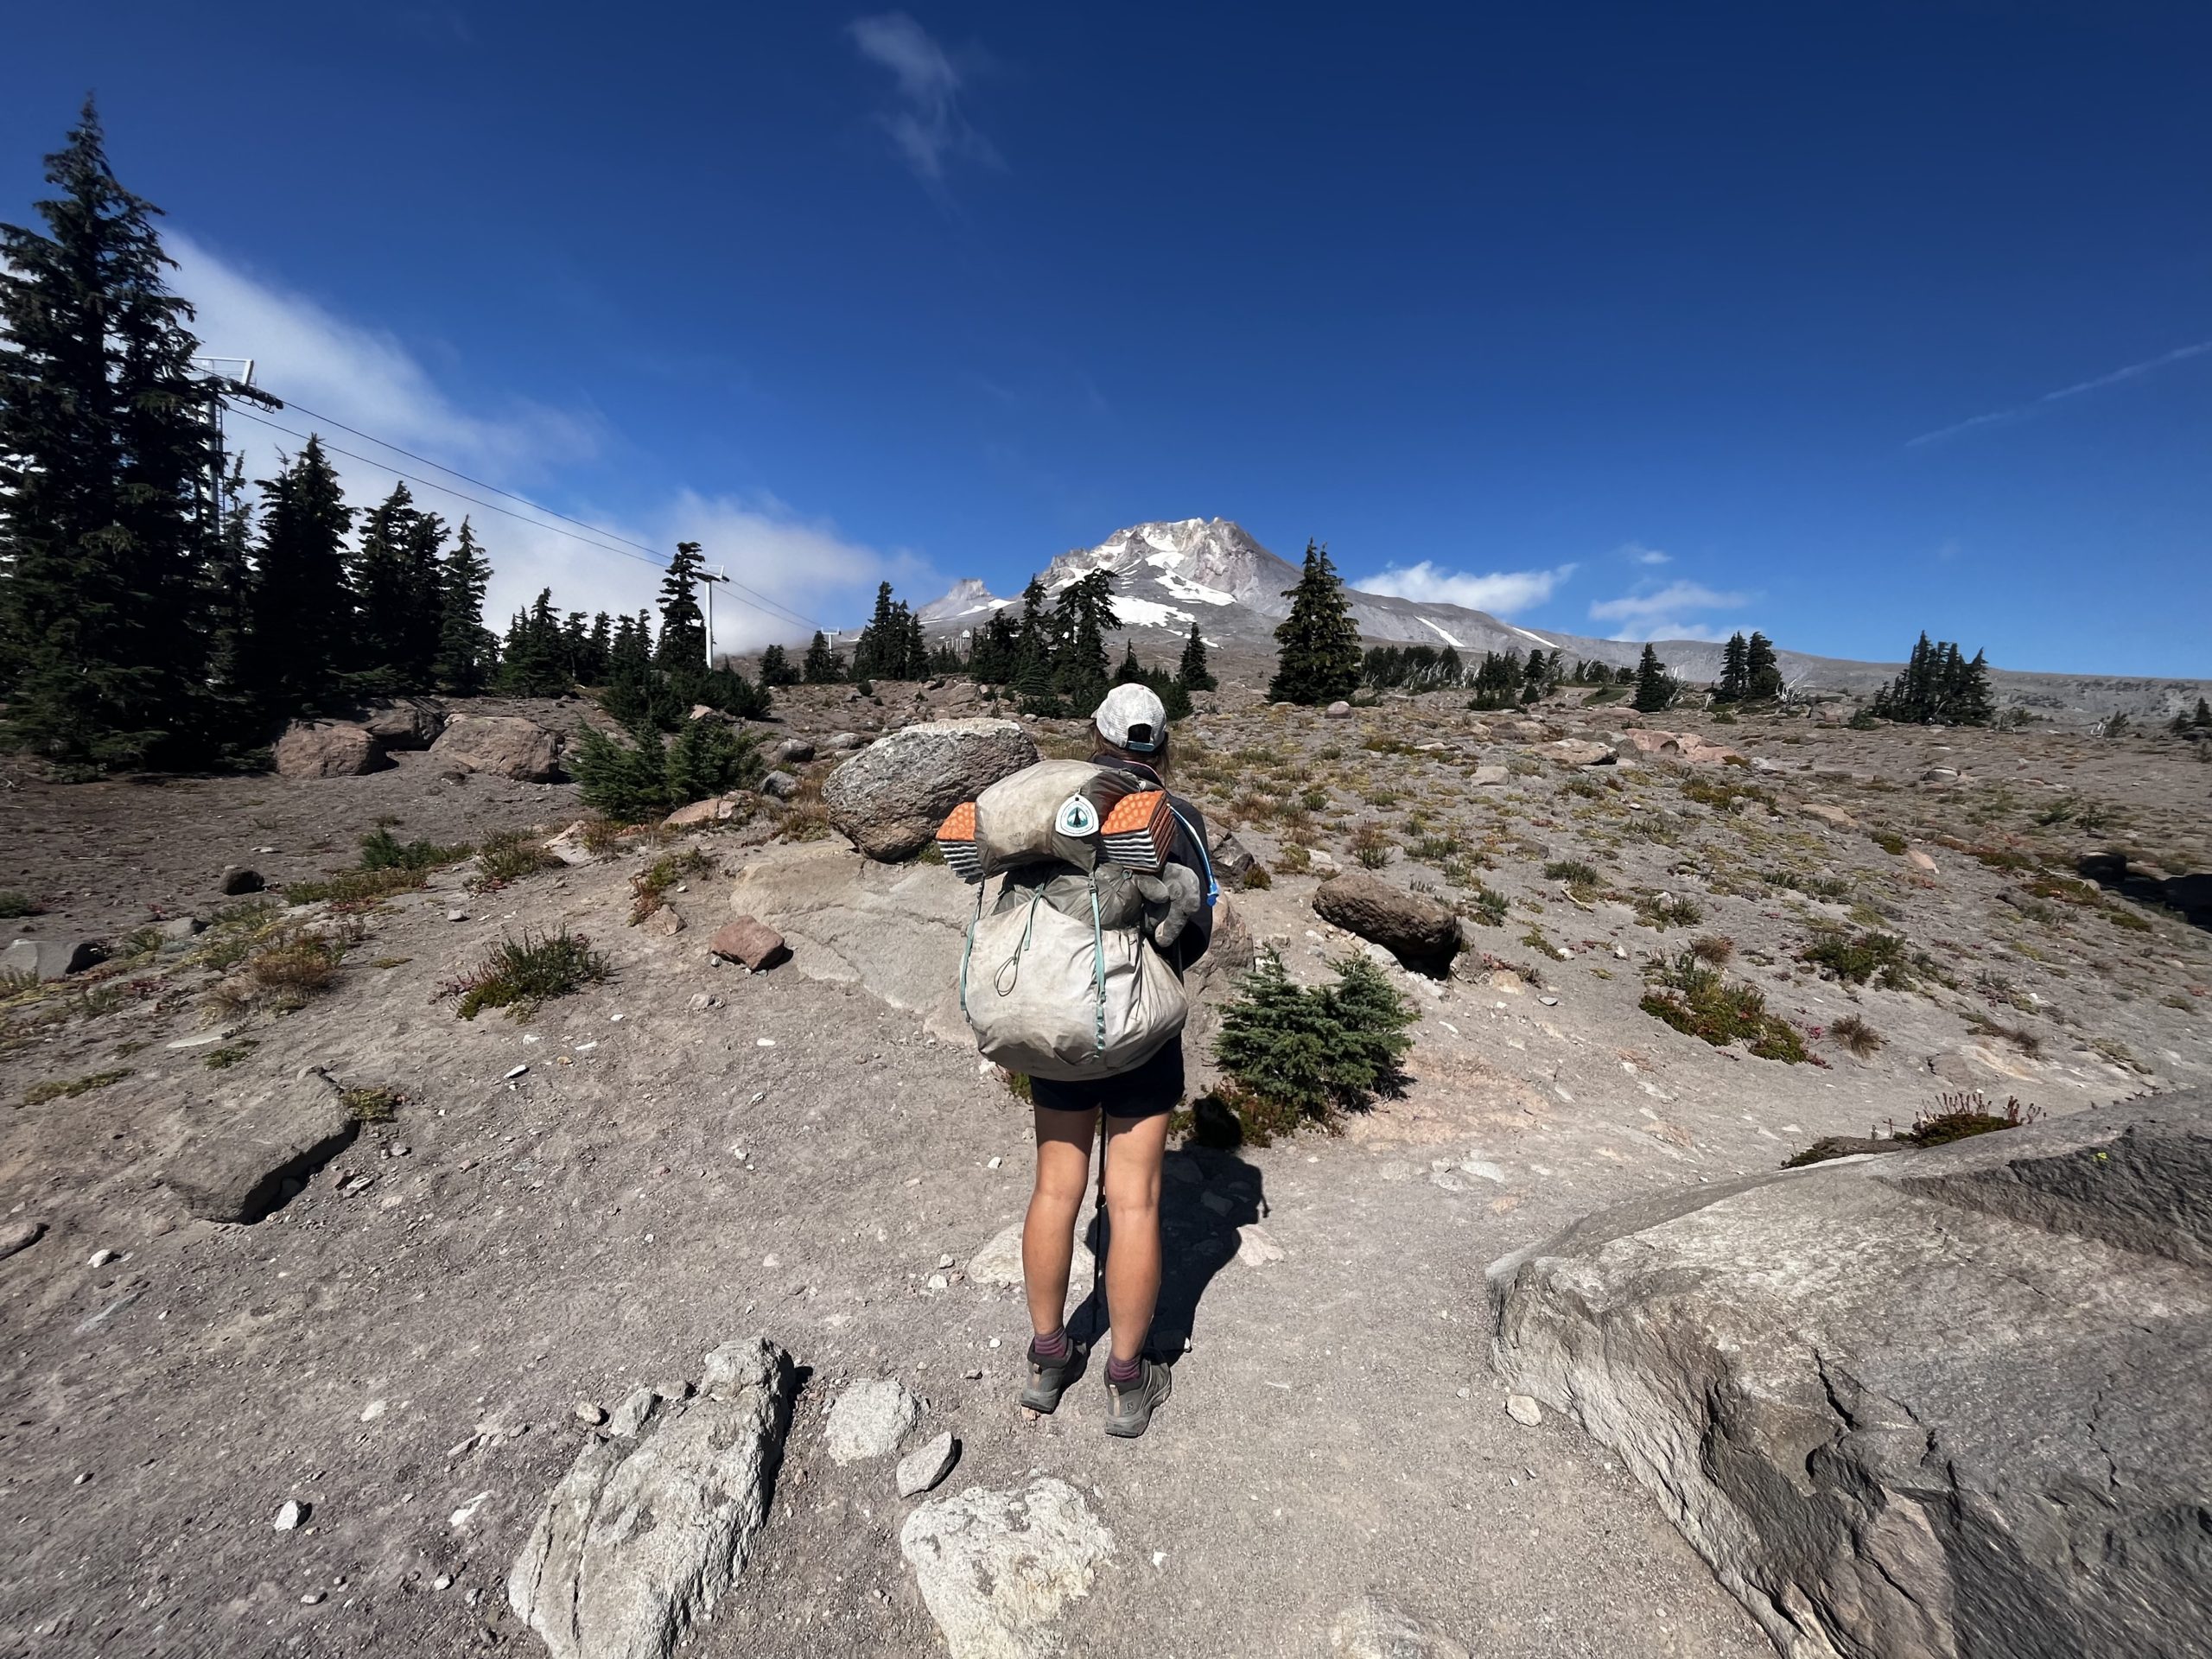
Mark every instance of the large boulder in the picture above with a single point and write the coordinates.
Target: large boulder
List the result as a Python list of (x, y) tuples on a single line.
[(237, 1168), (1421, 933), (648, 1530), (51, 958), (407, 724), (998, 1569), (326, 748), (1950, 1403), (889, 799), (506, 745)]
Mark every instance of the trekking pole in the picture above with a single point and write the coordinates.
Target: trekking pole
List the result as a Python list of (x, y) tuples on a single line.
[(1098, 1260)]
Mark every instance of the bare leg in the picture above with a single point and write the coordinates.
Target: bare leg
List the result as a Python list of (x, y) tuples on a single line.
[(1048, 1233), (1134, 1150)]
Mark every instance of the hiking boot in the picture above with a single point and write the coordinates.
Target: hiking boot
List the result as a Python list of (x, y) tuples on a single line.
[(1130, 1409), (1051, 1378)]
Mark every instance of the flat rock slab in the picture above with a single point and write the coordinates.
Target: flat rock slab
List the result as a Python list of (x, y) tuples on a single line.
[(998, 1569), (1944, 1405), (235, 1169), (999, 1262), (927, 1464), (869, 1420), (1371, 1629), (643, 1537), (20, 1235), (753, 942)]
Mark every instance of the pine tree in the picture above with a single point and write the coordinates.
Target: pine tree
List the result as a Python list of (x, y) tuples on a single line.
[(1084, 614), (1033, 645), (1762, 674), (1655, 689), (991, 658), (104, 457), (463, 666), (776, 668), (1535, 676), (823, 666), (876, 655), (682, 624), (227, 599), (397, 591), (534, 662), (2201, 720), (1317, 657), (602, 647), (1735, 672), (1193, 672), (1131, 671), (300, 604)]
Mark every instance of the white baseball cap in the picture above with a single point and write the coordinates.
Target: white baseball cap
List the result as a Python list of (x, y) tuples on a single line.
[(1133, 717)]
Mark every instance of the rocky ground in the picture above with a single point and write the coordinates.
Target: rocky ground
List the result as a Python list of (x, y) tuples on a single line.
[(693, 1154)]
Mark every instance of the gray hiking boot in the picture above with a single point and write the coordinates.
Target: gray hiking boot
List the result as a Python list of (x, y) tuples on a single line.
[(1051, 1378), (1128, 1409)]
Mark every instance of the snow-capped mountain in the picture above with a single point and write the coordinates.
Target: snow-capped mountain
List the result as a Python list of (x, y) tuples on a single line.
[(1168, 575)]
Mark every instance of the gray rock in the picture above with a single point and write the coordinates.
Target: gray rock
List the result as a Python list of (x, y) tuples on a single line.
[(1488, 775), (1337, 710), (326, 748), (1420, 932), (506, 745), (630, 1416), (999, 1263), (927, 1464), (20, 1235), (869, 1420), (51, 958), (779, 786), (235, 1170), (178, 929), (889, 799), (1370, 1629), (1231, 859), (792, 752), (1523, 1410), (997, 1569), (641, 1538), (407, 724), (290, 1514), (845, 743), (1946, 1404)]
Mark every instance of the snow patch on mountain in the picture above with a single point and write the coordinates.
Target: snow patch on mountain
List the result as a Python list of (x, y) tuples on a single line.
[(1447, 637)]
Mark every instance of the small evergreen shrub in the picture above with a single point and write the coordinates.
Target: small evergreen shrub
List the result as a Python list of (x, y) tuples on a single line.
[(13, 905), (1858, 959), (1576, 873), (509, 856), (1665, 910), (357, 889), (1311, 1054), (381, 850), (519, 976), (644, 777), (1888, 841), (1704, 1003)]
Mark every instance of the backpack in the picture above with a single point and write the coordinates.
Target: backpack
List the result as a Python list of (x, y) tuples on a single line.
[(1057, 978)]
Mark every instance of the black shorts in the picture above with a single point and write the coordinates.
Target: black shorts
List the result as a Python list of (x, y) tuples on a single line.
[(1151, 1089)]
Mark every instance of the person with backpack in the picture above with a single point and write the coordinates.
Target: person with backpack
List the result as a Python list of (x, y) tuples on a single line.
[(1131, 726)]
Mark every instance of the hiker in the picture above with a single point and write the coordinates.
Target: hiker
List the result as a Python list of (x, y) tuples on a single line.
[(1132, 734)]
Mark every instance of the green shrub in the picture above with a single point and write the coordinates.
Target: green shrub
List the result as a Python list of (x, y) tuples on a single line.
[(1372, 846), (709, 758), (1575, 873), (1704, 1003), (1314, 1053), (1888, 841), (1665, 910), (509, 855), (380, 851), (39, 1093), (1485, 905), (1856, 959), (13, 905), (1256, 879), (372, 1105), (520, 976), (355, 889), (649, 887), (644, 777)]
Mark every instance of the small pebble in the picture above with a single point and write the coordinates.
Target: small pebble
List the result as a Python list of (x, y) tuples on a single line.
[(512, 1074), (311, 1598), (443, 1581), (100, 1258), (401, 1151), (944, 1261), (289, 1516), (588, 1412), (456, 915), (994, 1163), (1548, 1001)]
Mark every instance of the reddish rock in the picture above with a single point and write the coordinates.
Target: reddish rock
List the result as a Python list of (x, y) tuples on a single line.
[(752, 943)]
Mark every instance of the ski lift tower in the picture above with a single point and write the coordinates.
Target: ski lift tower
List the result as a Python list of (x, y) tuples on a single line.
[(708, 575)]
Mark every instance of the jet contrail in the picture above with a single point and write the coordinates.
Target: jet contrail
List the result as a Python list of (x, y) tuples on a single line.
[(2133, 371)]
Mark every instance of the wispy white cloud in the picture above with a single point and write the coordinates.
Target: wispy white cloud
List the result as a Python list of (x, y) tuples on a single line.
[(2034, 406), (1635, 552), (1667, 612), (368, 379), (926, 126), (1500, 592)]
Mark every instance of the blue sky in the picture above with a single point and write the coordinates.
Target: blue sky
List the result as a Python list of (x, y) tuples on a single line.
[(1838, 320)]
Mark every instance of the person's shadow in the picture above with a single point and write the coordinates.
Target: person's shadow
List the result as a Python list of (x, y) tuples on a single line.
[(1205, 1195)]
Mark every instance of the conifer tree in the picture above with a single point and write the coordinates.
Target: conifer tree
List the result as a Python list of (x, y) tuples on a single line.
[(991, 656), (1655, 689), (1032, 643), (823, 665), (1762, 673), (776, 668), (1735, 680), (682, 624), (227, 599), (1535, 676), (464, 649), (602, 646), (1193, 672), (300, 604), (104, 451), (398, 591), (1317, 657), (2201, 720), (534, 662), (1083, 615), (1131, 671)]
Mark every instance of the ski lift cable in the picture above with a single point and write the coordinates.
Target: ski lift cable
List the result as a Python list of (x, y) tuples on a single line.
[(775, 606), (489, 506)]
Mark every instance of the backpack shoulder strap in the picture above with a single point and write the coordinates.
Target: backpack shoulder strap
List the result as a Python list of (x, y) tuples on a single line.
[(1213, 886)]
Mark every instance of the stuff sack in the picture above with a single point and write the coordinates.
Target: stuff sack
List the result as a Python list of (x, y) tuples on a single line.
[(1071, 812), (1058, 981)]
